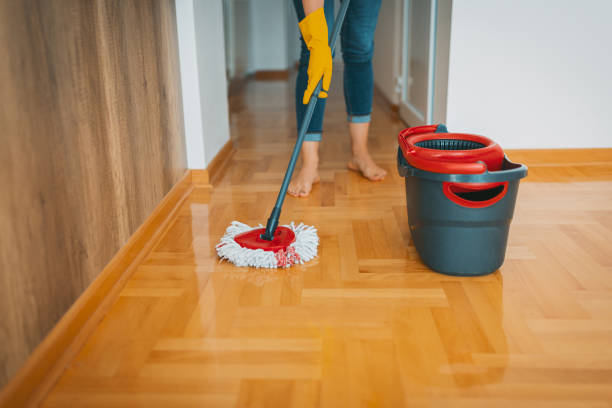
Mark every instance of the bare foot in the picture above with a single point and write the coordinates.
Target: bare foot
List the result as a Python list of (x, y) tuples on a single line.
[(362, 161), (364, 164), (301, 184)]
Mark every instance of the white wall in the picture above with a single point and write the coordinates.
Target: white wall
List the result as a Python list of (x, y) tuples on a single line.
[(270, 35), (293, 34), (203, 79), (262, 35), (387, 61), (241, 37), (532, 74)]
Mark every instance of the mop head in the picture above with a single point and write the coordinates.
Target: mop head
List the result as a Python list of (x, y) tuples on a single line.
[(301, 250)]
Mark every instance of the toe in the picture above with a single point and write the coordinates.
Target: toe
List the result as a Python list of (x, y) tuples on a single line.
[(304, 191), (379, 173)]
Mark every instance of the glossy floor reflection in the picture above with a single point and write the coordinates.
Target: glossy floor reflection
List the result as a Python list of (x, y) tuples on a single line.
[(366, 324)]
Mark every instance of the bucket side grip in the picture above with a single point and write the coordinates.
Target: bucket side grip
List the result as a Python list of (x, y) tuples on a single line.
[(475, 195)]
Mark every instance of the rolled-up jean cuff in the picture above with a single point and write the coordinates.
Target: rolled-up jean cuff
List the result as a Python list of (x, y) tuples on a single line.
[(313, 137), (359, 118)]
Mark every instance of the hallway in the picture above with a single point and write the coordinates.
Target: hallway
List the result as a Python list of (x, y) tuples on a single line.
[(365, 324)]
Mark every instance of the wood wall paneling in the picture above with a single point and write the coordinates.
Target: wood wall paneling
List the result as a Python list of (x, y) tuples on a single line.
[(91, 139)]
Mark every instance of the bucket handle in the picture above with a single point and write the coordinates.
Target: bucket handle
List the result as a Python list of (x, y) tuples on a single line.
[(403, 136), (447, 167), (420, 129), (490, 193)]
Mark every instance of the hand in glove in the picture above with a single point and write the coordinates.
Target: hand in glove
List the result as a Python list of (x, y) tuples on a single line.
[(314, 33)]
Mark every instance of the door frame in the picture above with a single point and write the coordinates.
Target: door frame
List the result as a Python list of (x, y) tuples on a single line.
[(437, 70)]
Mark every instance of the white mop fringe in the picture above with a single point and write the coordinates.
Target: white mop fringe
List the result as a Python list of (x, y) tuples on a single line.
[(302, 250)]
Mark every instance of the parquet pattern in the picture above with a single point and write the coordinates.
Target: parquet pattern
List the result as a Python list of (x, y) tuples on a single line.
[(366, 324)]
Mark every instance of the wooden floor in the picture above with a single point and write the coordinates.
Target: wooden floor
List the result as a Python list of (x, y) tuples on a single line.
[(366, 324)]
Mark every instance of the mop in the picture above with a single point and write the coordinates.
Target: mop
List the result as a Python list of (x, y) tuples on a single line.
[(278, 246)]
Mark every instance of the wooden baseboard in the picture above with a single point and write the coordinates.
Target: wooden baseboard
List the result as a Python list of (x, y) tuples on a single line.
[(272, 75), (200, 178), (215, 168), (561, 157), (45, 365)]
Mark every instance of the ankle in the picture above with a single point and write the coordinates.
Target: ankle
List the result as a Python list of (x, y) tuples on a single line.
[(311, 162), (360, 152), (310, 154)]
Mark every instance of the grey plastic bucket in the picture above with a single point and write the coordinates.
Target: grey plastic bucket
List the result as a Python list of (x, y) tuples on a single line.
[(460, 238)]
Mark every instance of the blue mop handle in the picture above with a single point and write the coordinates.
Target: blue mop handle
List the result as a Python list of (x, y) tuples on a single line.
[(274, 216)]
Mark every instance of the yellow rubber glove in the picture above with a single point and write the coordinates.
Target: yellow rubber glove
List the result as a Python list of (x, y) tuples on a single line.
[(314, 32)]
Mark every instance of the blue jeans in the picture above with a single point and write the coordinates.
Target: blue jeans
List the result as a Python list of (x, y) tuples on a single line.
[(357, 40)]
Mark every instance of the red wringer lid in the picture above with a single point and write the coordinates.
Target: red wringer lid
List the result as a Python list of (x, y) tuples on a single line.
[(449, 153)]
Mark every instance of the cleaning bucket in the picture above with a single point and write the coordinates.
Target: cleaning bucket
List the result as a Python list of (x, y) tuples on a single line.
[(459, 221)]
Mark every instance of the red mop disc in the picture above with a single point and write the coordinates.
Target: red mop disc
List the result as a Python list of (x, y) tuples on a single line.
[(283, 237)]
